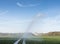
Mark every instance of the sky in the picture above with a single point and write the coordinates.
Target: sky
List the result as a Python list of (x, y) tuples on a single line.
[(21, 15)]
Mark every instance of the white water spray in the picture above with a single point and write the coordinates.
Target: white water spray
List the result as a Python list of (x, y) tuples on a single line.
[(29, 27), (24, 41)]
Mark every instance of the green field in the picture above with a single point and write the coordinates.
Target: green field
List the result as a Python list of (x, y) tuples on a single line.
[(44, 40)]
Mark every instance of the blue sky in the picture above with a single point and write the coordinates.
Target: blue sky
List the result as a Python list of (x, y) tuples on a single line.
[(16, 15)]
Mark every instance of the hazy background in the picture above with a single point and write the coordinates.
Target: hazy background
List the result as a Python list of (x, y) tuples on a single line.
[(15, 15)]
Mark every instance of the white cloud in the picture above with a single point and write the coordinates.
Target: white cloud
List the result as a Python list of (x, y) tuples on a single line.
[(30, 5), (42, 25), (2, 13), (47, 25), (13, 25)]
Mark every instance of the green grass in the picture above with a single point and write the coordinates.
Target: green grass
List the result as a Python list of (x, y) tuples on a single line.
[(44, 40)]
